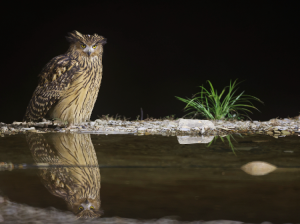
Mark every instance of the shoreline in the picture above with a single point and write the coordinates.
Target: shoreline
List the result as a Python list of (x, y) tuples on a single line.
[(274, 127)]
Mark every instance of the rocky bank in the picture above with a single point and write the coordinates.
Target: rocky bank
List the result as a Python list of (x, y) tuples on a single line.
[(275, 127)]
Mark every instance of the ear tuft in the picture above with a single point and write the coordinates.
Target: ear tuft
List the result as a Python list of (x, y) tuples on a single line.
[(102, 41), (74, 36)]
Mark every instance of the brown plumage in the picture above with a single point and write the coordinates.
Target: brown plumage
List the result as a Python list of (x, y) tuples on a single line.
[(76, 175), (69, 84)]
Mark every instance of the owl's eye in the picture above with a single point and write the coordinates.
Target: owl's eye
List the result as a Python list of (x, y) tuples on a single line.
[(83, 46), (92, 207), (94, 46), (80, 208)]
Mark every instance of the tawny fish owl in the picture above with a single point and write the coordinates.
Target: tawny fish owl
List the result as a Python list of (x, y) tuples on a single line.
[(69, 84)]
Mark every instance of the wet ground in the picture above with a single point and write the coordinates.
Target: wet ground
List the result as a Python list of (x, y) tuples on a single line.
[(148, 177)]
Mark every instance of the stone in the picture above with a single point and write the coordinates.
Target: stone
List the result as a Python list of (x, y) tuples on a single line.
[(141, 130), (191, 123), (103, 122), (3, 129), (184, 129), (258, 168), (17, 123), (27, 129), (285, 133), (194, 140)]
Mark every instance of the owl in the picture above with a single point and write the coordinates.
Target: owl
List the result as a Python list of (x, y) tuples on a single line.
[(69, 84), (73, 174)]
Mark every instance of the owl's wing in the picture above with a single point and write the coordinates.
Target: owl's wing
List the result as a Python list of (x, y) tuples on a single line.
[(55, 78), (55, 179)]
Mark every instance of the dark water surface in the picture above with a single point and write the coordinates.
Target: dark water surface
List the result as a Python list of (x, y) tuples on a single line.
[(150, 177)]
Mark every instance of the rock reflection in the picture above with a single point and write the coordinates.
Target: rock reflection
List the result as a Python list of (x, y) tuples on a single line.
[(207, 140), (194, 139), (75, 176)]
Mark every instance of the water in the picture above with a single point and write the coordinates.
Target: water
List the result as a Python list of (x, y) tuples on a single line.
[(140, 178)]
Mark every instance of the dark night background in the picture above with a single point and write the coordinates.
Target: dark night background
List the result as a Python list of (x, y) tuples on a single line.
[(156, 51)]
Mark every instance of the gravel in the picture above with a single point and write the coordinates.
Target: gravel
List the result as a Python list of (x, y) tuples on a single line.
[(275, 127)]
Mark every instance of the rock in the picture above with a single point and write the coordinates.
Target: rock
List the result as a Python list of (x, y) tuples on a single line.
[(258, 168), (17, 123), (4, 129), (190, 123), (173, 124), (165, 123), (141, 130), (103, 122), (184, 129), (27, 129), (194, 140), (285, 133)]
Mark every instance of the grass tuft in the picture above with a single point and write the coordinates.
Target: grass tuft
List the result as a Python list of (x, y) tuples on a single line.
[(211, 105)]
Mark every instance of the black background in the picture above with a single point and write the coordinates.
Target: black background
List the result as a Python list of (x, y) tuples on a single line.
[(158, 50)]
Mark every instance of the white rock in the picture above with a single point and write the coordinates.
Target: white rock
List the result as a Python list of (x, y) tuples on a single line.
[(101, 121), (190, 123), (92, 123), (258, 168), (26, 129), (171, 126), (17, 123), (4, 128), (184, 129)]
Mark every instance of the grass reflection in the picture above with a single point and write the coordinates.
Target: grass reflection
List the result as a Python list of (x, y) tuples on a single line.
[(223, 138)]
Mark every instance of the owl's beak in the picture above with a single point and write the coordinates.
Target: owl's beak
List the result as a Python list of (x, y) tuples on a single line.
[(89, 53)]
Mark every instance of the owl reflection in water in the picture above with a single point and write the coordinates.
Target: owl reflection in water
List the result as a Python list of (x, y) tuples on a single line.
[(78, 184)]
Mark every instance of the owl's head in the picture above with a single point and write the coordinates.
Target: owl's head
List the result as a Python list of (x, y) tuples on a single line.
[(86, 45), (87, 208)]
